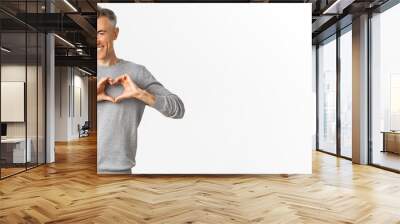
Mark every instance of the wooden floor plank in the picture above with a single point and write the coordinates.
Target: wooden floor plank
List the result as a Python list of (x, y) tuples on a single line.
[(70, 191)]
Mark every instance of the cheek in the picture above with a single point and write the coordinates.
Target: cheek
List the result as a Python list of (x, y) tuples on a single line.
[(103, 40)]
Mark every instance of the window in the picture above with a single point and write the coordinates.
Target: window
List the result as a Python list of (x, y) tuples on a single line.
[(346, 93), (327, 96), (385, 89)]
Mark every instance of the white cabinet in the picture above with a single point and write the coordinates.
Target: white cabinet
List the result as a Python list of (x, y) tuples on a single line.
[(17, 146)]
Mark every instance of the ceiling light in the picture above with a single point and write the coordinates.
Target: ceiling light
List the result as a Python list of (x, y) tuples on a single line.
[(80, 51), (5, 50), (86, 72), (338, 6), (64, 40), (70, 5)]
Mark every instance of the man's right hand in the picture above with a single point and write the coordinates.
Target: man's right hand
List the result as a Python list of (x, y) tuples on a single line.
[(101, 90)]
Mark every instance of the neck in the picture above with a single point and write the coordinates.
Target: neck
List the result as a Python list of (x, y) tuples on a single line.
[(111, 60)]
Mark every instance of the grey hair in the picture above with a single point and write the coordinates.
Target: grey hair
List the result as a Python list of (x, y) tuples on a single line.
[(107, 13)]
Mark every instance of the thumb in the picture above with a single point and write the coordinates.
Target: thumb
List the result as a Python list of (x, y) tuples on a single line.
[(121, 97), (109, 98)]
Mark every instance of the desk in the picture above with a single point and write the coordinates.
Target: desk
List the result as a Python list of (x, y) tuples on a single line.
[(391, 141), (13, 150)]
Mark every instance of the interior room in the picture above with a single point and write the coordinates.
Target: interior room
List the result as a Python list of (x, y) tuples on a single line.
[(25, 65), (48, 150), (22, 102)]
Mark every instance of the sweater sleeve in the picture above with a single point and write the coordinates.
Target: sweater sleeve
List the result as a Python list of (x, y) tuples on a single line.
[(167, 103)]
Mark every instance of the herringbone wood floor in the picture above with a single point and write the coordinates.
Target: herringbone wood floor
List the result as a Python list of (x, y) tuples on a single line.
[(70, 191)]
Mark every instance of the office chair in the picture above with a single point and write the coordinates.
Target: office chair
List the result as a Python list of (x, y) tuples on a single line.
[(84, 130)]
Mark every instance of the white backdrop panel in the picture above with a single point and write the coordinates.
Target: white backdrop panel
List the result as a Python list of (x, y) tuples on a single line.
[(244, 74)]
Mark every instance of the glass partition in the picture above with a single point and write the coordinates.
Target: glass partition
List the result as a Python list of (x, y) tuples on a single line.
[(327, 96), (385, 89), (41, 91), (22, 90), (31, 100), (13, 95)]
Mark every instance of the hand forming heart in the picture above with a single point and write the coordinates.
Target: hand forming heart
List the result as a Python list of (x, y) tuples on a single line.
[(131, 90), (101, 87)]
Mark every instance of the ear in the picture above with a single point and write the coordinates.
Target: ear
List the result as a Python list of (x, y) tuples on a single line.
[(116, 32)]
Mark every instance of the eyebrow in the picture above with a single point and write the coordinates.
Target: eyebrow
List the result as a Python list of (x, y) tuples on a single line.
[(101, 31)]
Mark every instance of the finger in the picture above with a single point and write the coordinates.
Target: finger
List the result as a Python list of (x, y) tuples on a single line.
[(104, 80), (109, 81), (109, 98), (125, 79), (116, 80), (104, 97), (101, 81), (128, 81), (122, 97), (120, 79)]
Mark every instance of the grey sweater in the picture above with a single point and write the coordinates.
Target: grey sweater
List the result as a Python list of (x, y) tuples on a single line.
[(117, 124)]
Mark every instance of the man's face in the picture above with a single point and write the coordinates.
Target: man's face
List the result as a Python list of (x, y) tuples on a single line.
[(106, 34)]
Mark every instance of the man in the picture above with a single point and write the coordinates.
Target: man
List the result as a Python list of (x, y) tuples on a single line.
[(123, 90)]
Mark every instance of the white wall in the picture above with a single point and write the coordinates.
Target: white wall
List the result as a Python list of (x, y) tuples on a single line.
[(80, 84), (67, 80), (61, 103), (14, 72), (314, 95)]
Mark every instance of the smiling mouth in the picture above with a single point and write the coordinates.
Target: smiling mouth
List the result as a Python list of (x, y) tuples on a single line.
[(99, 48)]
